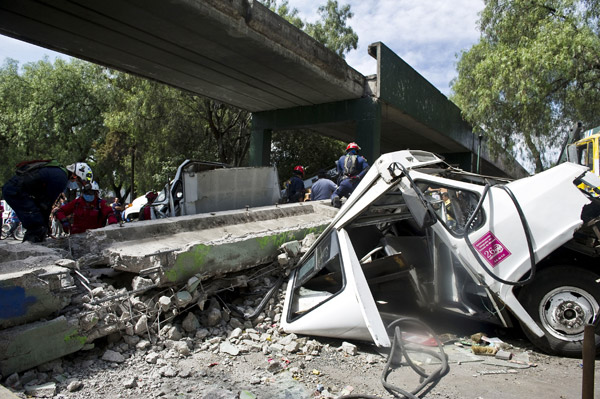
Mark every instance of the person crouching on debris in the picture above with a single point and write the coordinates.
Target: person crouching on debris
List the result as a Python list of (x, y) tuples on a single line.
[(89, 211), (33, 190), (295, 190), (322, 188), (351, 168)]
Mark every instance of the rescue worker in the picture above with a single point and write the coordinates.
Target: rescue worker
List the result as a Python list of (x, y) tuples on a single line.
[(322, 188), (295, 189), (35, 187), (89, 211), (147, 211), (351, 168)]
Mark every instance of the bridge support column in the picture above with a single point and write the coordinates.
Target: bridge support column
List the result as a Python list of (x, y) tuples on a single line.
[(260, 146), (368, 130)]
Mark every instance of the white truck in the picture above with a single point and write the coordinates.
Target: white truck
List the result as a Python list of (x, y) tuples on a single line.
[(204, 187), (494, 249)]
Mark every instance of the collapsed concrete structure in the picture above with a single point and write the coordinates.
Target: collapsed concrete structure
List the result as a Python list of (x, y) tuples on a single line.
[(57, 298)]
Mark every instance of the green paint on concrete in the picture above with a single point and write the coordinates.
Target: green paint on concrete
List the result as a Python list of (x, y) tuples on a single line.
[(223, 258), (190, 263), (74, 336)]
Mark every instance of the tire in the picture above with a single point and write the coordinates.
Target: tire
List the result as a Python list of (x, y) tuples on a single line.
[(562, 300), (19, 233), (4, 232)]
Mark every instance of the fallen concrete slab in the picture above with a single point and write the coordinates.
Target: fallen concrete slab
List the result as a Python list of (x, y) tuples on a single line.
[(169, 257), (30, 345), (210, 244), (32, 286)]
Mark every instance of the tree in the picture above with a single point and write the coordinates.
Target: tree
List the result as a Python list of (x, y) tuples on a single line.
[(332, 31), (283, 10), (50, 111), (534, 71), (291, 148)]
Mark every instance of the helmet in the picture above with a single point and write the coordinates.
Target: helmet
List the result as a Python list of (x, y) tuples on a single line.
[(299, 169), (89, 188), (151, 196), (352, 146), (81, 170)]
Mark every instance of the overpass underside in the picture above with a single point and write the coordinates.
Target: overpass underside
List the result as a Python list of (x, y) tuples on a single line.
[(401, 110), (240, 53)]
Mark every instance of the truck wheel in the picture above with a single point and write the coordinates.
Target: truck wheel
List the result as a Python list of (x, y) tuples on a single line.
[(562, 300)]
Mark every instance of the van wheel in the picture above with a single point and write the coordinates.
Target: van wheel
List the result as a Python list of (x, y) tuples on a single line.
[(562, 300)]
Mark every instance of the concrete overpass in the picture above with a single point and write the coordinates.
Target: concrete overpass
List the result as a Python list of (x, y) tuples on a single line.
[(240, 53)]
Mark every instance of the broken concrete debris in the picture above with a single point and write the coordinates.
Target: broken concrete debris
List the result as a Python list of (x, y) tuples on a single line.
[(137, 278)]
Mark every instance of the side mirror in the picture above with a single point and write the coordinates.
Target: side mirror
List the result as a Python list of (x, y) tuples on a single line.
[(423, 215)]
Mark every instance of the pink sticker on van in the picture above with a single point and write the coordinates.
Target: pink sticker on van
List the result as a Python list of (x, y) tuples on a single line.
[(491, 249)]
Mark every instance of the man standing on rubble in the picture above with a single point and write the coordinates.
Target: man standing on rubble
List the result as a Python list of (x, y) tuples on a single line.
[(351, 168), (35, 187)]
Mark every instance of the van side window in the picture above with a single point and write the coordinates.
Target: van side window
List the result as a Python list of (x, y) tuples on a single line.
[(318, 278), (453, 207)]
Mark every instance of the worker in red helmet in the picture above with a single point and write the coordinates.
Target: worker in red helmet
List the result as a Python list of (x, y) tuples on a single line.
[(351, 168), (295, 190)]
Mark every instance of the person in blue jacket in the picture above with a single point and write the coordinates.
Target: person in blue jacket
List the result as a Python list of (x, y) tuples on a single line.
[(34, 189), (351, 168), (295, 189)]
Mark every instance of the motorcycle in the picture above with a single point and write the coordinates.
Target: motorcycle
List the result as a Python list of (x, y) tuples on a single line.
[(12, 227)]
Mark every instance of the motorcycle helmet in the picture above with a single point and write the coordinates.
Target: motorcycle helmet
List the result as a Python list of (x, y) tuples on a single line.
[(81, 170)]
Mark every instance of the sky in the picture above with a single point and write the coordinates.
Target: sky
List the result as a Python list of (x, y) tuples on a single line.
[(427, 34)]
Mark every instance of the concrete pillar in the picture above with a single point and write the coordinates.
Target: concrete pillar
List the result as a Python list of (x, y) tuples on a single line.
[(260, 145), (368, 130)]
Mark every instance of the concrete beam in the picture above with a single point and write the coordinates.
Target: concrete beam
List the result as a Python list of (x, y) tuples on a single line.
[(31, 285), (210, 244), (237, 52), (24, 347), (360, 120)]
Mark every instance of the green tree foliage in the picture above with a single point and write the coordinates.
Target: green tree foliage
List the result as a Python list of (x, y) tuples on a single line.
[(533, 73), (160, 127), (135, 132), (283, 10), (331, 30), (311, 150), (50, 111)]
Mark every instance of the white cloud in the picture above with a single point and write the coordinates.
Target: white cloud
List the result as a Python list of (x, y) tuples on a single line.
[(425, 34)]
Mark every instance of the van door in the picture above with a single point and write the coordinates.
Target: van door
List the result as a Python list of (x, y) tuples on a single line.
[(328, 295)]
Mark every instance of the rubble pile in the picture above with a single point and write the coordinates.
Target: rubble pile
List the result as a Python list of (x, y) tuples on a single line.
[(224, 315)]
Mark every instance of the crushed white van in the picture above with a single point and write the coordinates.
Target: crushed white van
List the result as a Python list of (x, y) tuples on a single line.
[(489, 248)]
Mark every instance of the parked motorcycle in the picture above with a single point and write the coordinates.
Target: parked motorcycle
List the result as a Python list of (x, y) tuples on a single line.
[(12, 227)]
